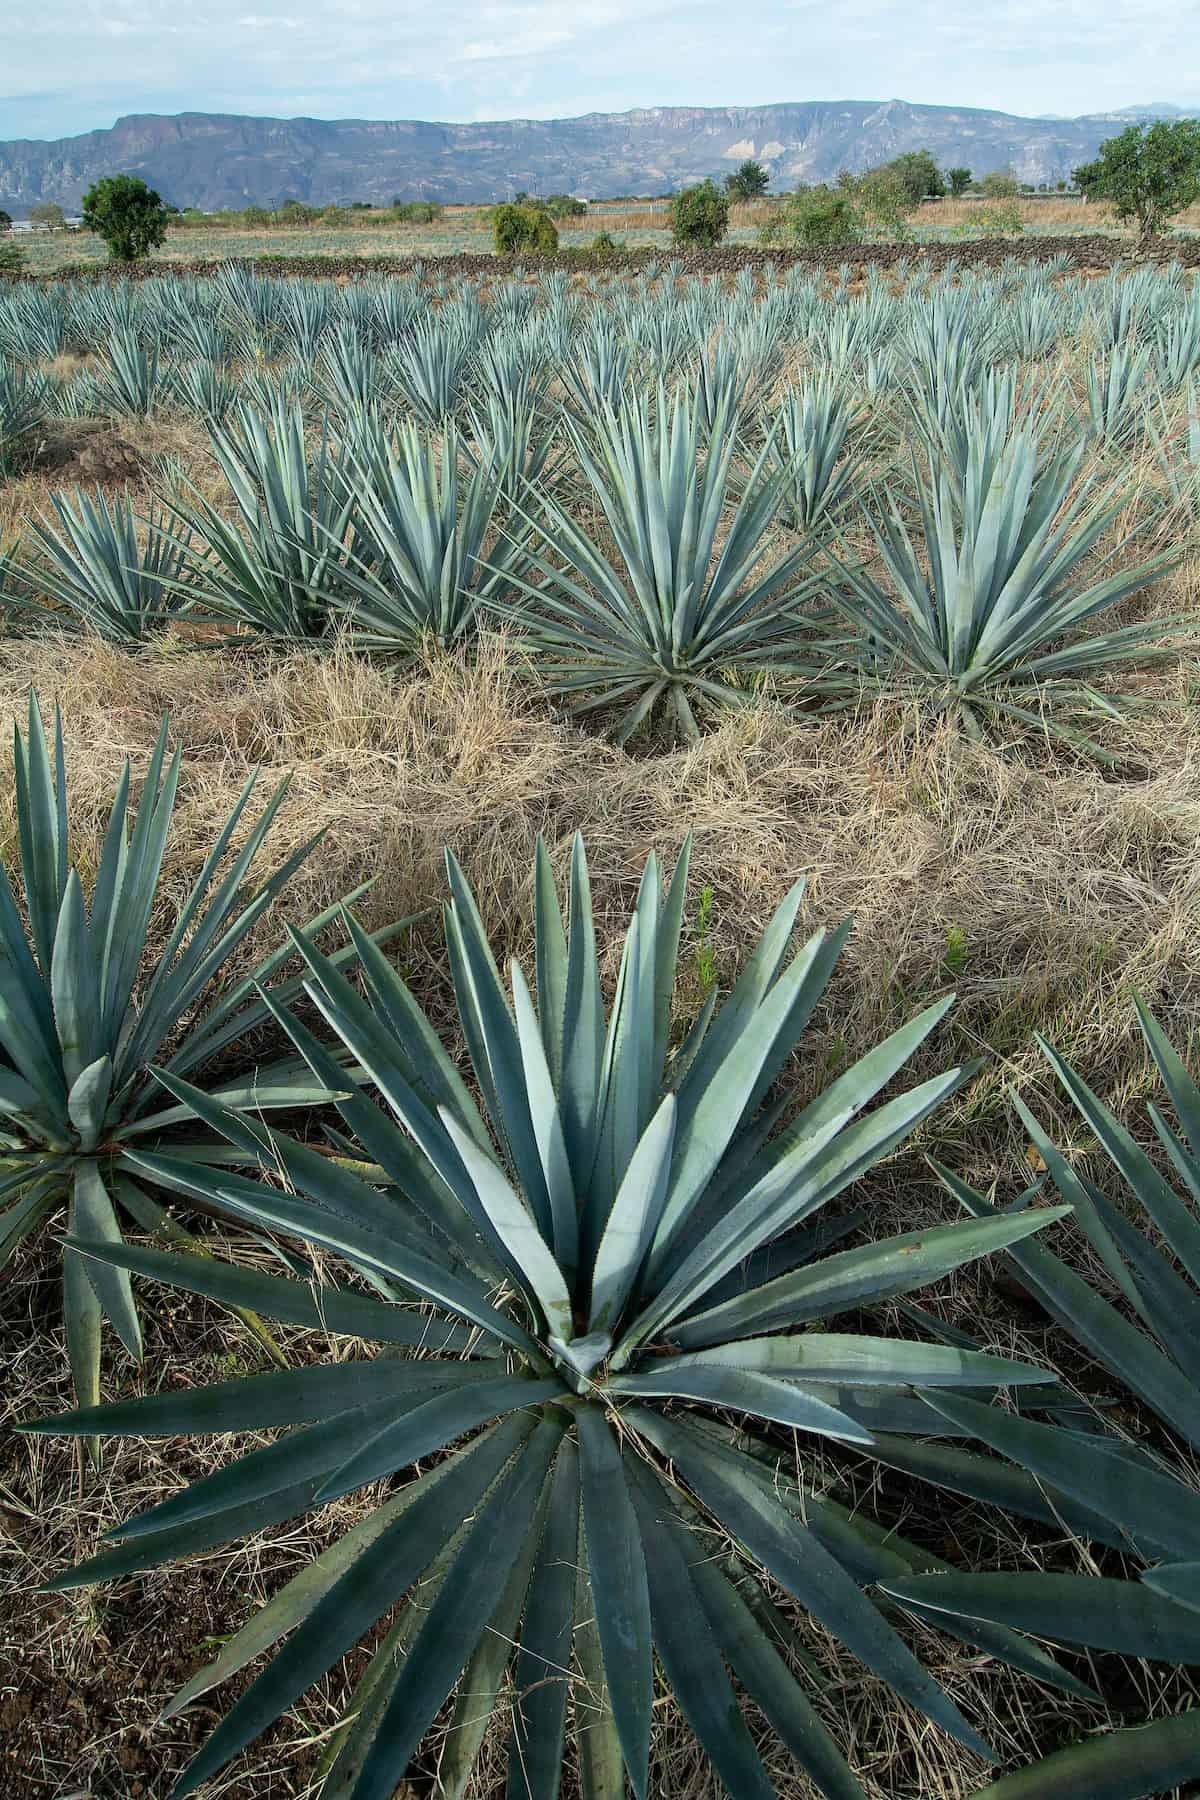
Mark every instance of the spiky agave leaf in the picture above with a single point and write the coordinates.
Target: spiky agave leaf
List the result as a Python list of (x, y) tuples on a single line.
[(415, 568), (677, 620), (1103, 1485), (96, 573), (993, 629), (593, 1231), (281, 568), (84, 1012)]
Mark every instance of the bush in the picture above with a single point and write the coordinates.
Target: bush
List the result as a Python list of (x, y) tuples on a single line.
[(1147, 173), (523, 228), (5, 220), (12, 259), (699, 215), (128, 215), (49, 214), (814, 216), (1003, 219), (1000, 184), (564, 206), (416, 212)]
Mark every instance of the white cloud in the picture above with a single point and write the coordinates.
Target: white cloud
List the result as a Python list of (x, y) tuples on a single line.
[(541, 58)]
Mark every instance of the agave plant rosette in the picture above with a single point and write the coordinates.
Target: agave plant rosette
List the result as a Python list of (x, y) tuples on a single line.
[(1106, 1486), (992, 630), (85, 1010), (678, 619), (615, 1252), (98, 576)]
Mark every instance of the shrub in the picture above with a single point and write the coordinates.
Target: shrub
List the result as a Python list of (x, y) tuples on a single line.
[(814, 216), (520, 229), (564, 206), (13, 259), (5, 220), (1147, 173), (1000, 184), (49, 214), (699, 215), (1001, 219), (127, 214), (617, 1221), (416, 212)]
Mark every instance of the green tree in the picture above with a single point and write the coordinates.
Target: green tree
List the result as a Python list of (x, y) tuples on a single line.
[(699, 215), (959, 180), (128, 215), (1000, 184), (815, 216), (564, 206), (5, 220), (916, 171), (523, 228), (1147, 173), (748, 182), (49, 214)]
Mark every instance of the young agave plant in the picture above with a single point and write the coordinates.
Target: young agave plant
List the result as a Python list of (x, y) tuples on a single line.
[(617, 1252), (281, 568), (23, 399), (97, 574), (993, 629), (420, 532), (1102, 1485), (83, 1014), (678, 619), (813, 422)]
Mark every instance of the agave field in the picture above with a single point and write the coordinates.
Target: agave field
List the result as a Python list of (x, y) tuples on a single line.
[(521, 1275)]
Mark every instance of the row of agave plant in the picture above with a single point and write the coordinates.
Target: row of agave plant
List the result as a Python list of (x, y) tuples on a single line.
[(603, 1263), (723, 545), (198, 347)]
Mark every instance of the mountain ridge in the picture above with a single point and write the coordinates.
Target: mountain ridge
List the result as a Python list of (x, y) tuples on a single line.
[(216, 160)]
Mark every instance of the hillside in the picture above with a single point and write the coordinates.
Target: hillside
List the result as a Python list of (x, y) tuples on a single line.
[(212, 160)]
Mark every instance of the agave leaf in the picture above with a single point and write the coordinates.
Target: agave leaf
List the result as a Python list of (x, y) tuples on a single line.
[(619, 1589), (1133, 1764)]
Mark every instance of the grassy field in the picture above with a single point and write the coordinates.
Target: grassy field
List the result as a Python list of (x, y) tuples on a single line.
[(468, 228), (1045, 881)]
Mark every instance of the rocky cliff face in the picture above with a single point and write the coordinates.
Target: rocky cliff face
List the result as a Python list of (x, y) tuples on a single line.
[(211, 160)]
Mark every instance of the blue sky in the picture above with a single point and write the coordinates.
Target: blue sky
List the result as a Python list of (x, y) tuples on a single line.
[(72, 65)]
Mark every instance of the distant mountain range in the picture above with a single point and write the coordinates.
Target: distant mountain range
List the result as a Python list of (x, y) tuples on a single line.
[(214, 160)]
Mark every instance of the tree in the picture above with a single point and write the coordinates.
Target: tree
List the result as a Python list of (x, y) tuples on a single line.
[(749, 182), (521, 228), (916, 171), (1000, 184), (959, 180), (1147, 173), (5, 220), (49, 214), (699, 215), (815, 216), (128, 215)]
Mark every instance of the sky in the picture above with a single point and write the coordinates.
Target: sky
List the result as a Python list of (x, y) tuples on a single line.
[(69, 66)]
